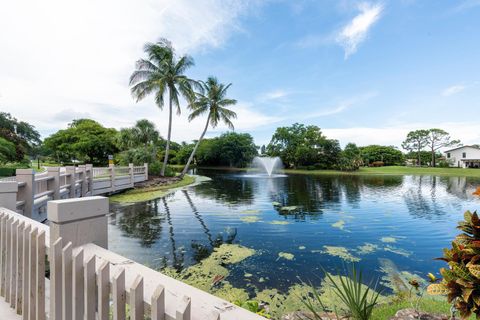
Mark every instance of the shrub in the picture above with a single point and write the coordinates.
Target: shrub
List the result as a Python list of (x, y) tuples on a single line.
[(7, 172), (377, 164), (462, 278), (359, 299), (155, 168)]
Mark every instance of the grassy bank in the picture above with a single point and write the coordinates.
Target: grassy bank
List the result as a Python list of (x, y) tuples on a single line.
[(392, 170), (146, 194)]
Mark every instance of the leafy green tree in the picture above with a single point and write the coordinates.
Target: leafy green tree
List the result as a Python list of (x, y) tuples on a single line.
[(85, 140), (350, 158), (416, 141), (7, 151), (211, 100), (437, 139), (23, 135), (300, 145), (163, 71), (389, 155)]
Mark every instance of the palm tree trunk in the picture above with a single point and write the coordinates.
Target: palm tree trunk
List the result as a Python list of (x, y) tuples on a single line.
[(167, 148), (185, 169)]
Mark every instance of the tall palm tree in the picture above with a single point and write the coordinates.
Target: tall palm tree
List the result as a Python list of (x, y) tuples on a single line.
[(210, 99), (163, 71)]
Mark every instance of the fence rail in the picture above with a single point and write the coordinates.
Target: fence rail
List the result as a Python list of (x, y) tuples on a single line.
[(86, 280), (34, 190)]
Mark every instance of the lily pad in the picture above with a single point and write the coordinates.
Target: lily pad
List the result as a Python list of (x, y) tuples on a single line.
[(276, 204), (289, 208), (251, 211)]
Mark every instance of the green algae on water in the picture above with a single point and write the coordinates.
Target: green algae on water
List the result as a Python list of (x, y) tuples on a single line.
[(302, 248), (276, 204), (398, 251), (367, 248), (251, 211), (286, 255), (250, 219), (289, 208), (340, 224), (340, 252), (388, 239), (279, 222)]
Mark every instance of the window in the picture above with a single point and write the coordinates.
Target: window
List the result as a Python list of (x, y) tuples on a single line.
[(464, 155), (448, 155)]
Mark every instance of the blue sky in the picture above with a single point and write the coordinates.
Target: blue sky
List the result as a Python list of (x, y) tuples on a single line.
[(363, 71)]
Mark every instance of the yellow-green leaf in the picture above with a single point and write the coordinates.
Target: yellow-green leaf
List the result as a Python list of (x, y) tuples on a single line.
[(437, 289)]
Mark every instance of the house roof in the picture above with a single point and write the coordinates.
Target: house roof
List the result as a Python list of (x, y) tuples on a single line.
[(462, 147)]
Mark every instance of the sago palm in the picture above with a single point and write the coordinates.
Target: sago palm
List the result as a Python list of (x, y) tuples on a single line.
[(211, 100), (163, 71)]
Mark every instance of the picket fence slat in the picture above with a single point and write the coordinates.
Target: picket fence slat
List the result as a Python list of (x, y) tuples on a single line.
[(119, 296), (56, 280), (103, 284), (67, 279), (7, 259), (90, 289), (2, 254), (183, 310), (40, 290), (158, 304), (25, 275), (13, 264), (136, 299), (32, 272), (20, 269), (78, 285)]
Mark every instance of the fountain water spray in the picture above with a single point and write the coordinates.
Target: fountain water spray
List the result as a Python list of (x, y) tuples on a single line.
[(267, 165)]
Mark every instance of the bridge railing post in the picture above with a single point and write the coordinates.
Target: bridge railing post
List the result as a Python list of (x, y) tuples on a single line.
[(55, 182), (8, 195), (27, 192), (132, 174), (112, 176), (145, 165), (89, 168), (84, 182), (71, 170), (80, 221)]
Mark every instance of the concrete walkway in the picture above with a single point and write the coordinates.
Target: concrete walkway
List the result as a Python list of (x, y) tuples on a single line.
[(7, 313)]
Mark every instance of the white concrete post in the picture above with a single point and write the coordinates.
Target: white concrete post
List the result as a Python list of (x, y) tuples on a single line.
[(71, 171), (132, 175), (80, 221), (90, 178), (8, 195), (27, 192), (84, 183), (146, 170), (55, 182), (112, 176)]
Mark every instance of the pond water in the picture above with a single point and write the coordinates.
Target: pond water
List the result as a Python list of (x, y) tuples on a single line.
[(298, 224)]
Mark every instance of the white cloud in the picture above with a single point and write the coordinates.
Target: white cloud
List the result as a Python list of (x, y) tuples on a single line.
[(62, 58), (356, 31), (274, 95), (467, 132), (450, 91), (342, 105)]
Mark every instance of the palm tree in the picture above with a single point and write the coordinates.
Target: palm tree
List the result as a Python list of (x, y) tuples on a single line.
[(211, 99), (163, 71)]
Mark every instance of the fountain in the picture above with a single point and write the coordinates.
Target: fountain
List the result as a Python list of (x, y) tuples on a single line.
[(267, 166)]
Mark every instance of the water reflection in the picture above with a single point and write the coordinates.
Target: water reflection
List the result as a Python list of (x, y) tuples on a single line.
[(298, 214)]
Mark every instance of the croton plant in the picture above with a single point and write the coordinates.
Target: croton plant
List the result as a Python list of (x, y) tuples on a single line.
[(461, 280)]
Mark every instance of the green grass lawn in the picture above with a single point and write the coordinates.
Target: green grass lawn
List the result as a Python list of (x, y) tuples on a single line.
[(146, 194), (398, 170)]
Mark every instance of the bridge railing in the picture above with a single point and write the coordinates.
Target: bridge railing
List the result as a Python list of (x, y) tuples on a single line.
[(34, 190), (86, 280)]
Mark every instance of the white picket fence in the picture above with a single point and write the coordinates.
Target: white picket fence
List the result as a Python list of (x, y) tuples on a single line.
[(36, 189), (89, 282)]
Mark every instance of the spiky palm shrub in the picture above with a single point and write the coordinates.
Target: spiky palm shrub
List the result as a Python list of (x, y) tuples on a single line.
[(461, 280), (358, 299)]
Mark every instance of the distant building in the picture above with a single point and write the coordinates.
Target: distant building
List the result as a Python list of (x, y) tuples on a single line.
[(463, 157)]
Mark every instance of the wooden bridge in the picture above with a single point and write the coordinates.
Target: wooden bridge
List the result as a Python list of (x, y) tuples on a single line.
[(34, 190), (86, 281)]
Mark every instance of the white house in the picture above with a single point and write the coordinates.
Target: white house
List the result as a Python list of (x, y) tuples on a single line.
[(464, 157)]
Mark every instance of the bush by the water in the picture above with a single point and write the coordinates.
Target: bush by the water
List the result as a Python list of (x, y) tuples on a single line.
[(461, 280), (155, 168)]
